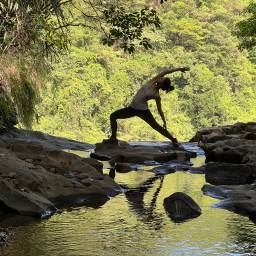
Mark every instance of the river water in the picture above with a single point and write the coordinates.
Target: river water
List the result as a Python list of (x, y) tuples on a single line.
[(135, 223)]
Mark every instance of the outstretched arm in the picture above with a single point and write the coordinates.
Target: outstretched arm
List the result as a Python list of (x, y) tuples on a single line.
[(160, 111), (165, 72)]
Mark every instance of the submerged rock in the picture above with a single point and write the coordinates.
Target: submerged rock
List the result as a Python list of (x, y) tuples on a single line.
[(181, 207)]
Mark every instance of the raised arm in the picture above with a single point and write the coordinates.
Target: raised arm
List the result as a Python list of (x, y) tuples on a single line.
[(165, 72)]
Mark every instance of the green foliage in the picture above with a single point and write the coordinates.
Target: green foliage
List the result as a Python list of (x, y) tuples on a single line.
[(34, 32), (29, 33), (95, 80), (32, 25), (247, 27), (127, 27), (7, 113)]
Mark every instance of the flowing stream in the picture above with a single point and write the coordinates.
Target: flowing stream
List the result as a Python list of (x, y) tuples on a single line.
[(135, 223)]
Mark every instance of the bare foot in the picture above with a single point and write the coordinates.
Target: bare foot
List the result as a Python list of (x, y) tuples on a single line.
[(111, 141), (175, 143)]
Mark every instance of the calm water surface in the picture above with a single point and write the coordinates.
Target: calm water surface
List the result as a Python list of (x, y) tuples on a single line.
[(135, 223)]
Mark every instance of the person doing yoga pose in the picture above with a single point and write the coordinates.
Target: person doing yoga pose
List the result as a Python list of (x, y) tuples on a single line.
[(139, 104)]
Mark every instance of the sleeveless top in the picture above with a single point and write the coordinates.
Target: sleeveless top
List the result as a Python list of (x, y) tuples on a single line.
[(145, 93)]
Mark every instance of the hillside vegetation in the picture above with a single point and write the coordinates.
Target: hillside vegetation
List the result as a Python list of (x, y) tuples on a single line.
[(94, 80)]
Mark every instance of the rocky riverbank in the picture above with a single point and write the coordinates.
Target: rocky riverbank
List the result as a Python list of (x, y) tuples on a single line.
[(37, 175), (231, 165)]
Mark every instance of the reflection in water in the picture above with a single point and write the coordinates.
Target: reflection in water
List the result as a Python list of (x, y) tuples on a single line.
[(135, 198), (135, 223)]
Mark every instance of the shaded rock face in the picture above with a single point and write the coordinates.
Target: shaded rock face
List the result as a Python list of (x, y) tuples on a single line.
[(240, 199), (125, 167), (229, 174), (44, 139), (231, 157), (231, 144), (197, 170), (231, 160), (181, 207), (36, 177), (123, 152), (221, 133)]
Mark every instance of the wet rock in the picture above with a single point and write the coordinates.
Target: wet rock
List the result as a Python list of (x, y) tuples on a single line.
[(197, 170), (23, 202), (182, 167), (93, 162), (122, 152), (100, 157), (229, 174), (240, 199), (82, 176), (250, 136), (161, 170), (125, 167), (232, 151), (51, 178), (214, 191), (181, 207), (234, 143)]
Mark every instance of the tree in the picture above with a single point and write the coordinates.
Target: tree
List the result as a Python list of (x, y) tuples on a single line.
[(34, 32), (247, 27), (220, 88)]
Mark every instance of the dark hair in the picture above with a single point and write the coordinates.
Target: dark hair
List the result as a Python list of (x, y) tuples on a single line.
[(166, 84)]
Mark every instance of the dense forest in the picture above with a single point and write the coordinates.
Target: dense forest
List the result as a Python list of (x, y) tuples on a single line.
[(92, 80)]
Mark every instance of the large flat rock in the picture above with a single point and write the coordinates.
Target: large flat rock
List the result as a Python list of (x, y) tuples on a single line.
[(45, 139), (123, 152)]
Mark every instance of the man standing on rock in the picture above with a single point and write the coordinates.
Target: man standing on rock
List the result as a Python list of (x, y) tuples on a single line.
[(139, 104)]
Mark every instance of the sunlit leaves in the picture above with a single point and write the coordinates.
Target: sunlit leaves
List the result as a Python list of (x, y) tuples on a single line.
[(126, 28), (247, 28)]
